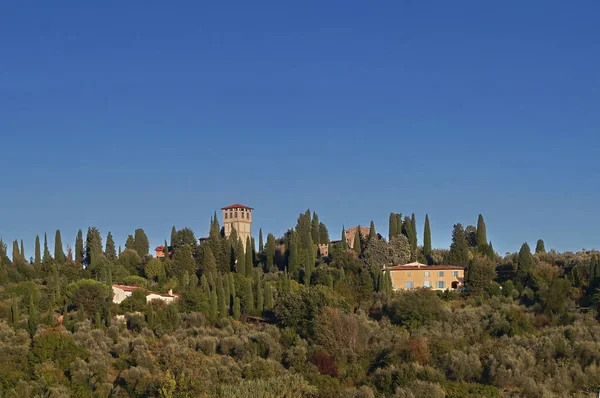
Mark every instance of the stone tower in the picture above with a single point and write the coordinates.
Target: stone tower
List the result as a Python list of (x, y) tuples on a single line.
[(239, 217)]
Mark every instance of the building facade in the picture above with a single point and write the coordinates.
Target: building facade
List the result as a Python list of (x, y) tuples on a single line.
[(436, 277), (239, 217), (121, 292)]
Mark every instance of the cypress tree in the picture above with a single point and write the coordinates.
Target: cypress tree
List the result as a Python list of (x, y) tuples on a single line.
[(59, 254), (260, 298), (23, 251), (344, 241), (236, 309), (324, 234), (408, 231), (173, 236), (93, 247), (413, 222), (270, 251), (357, 241), (222, 299), (32, 320), (268, 297), (231, 286), (540, 247), (314, 228), (293, 258), (226, 294), (240, 256), (214, 306), (38, 254), (16, 254), (110, 251), (120, 251), (98, 320), (261, 246), (249, 259), (481, 232), (372, 232), (109, 283), (249, 298), (398, 224), (392, 227), (525, 262), (141, 243), (47, 257), (15, 314), (79, 249), (130, 243), (427, 250), (459, 249)]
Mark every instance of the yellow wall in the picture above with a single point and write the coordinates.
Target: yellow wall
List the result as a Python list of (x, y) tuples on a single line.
[(418, 278)]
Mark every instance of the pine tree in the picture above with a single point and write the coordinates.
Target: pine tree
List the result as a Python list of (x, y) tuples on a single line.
[(47, 257), (427, 250), (79, 249), (344, 241), (142, 244), (37, 263), (372, 232), (481, 232), (173, 236), (270, 251), (249, 259), (314, 228), (236, 309), (293, 256), (59, 254), (357, 241), (110, 251), (459, 249), (261, 247), (540, 247), (413, 222)]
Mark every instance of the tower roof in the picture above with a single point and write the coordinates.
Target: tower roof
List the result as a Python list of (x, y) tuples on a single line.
[(236, 206)]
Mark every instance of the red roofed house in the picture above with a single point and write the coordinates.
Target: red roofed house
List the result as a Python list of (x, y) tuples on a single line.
[(160, 251), (239, 217), (121, 292), (436, 277)]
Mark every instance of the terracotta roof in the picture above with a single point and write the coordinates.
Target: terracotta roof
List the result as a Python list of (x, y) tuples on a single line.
[(236, 206), (128, 288), (410, 267)]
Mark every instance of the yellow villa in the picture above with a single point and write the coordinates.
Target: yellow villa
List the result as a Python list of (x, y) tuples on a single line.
[(436, 277)]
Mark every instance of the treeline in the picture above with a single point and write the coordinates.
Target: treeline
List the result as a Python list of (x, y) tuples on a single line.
[(328, 325)]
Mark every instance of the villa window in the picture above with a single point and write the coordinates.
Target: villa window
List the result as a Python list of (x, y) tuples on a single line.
[(427, 284), (441, 284), (409, 273), (440, 273), (455, 274), (427, 273), (409, 285), (235, 214)]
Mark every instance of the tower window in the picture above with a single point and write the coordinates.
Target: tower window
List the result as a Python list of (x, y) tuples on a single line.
[(226, 216), (235, 214)]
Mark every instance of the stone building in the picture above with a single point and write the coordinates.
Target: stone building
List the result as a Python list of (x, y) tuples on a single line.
[(239, 217), (436, 277)]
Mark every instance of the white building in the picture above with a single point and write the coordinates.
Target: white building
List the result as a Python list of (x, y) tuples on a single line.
[(121, 292)]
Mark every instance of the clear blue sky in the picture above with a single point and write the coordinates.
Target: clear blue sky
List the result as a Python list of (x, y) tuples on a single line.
[(126, 114)]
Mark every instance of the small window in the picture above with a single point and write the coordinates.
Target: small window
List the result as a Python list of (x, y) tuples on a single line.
[(235, 214), (455, 274), (409, 273), (440, 273), (441, 284), (427, 273), (226, 216), (427, 284), (408, 285)]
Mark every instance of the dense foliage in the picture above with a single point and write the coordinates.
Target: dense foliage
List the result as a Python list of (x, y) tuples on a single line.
[(286, 321)]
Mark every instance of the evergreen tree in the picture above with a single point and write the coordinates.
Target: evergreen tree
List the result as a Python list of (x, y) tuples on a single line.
[(98, 320), (260, 298), (223, 307), (231, 286), (16, 254), (37, 263), (249, 296), (209, 263), (413, 222), (249, 258), (481, 232), (268, 297), (173, 236), (323, 234), (540, 247), (214, 306), (109, 283), (261, 246), (47, 257), (525, 263), (314, 228), (303, 227), (15, 314), (23, 252), (270, 251), (120, 251), (236, 309), (392, 228), (372, 232), (79, 249), (240, 257), (408, 231), (427, 250), (344, 241), (293, 256), (59, 254), (141, 243), (32, 320), (459, 249), (357, 241), (110, 251), (93, 247), (130, 243)]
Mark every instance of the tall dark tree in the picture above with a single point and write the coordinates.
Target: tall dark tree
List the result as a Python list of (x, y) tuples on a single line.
[(525, 262), (323, 234), (393, 232), (303, 227), (110, 251), (59, 254), (314, 228), (16, 254), (413, 222), (79, 254), (130, 243), (427, 239), (357, 241), (270, 251), (142, 244), (372, 232), (261, 246), (47, 257), (344, 241), (408, 231), (293, 256), (240, 257), (173, 235), (481, 232), (540, 247), (93, 247), (249, 257), (23, 251), (37, 263), (459, 249)]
